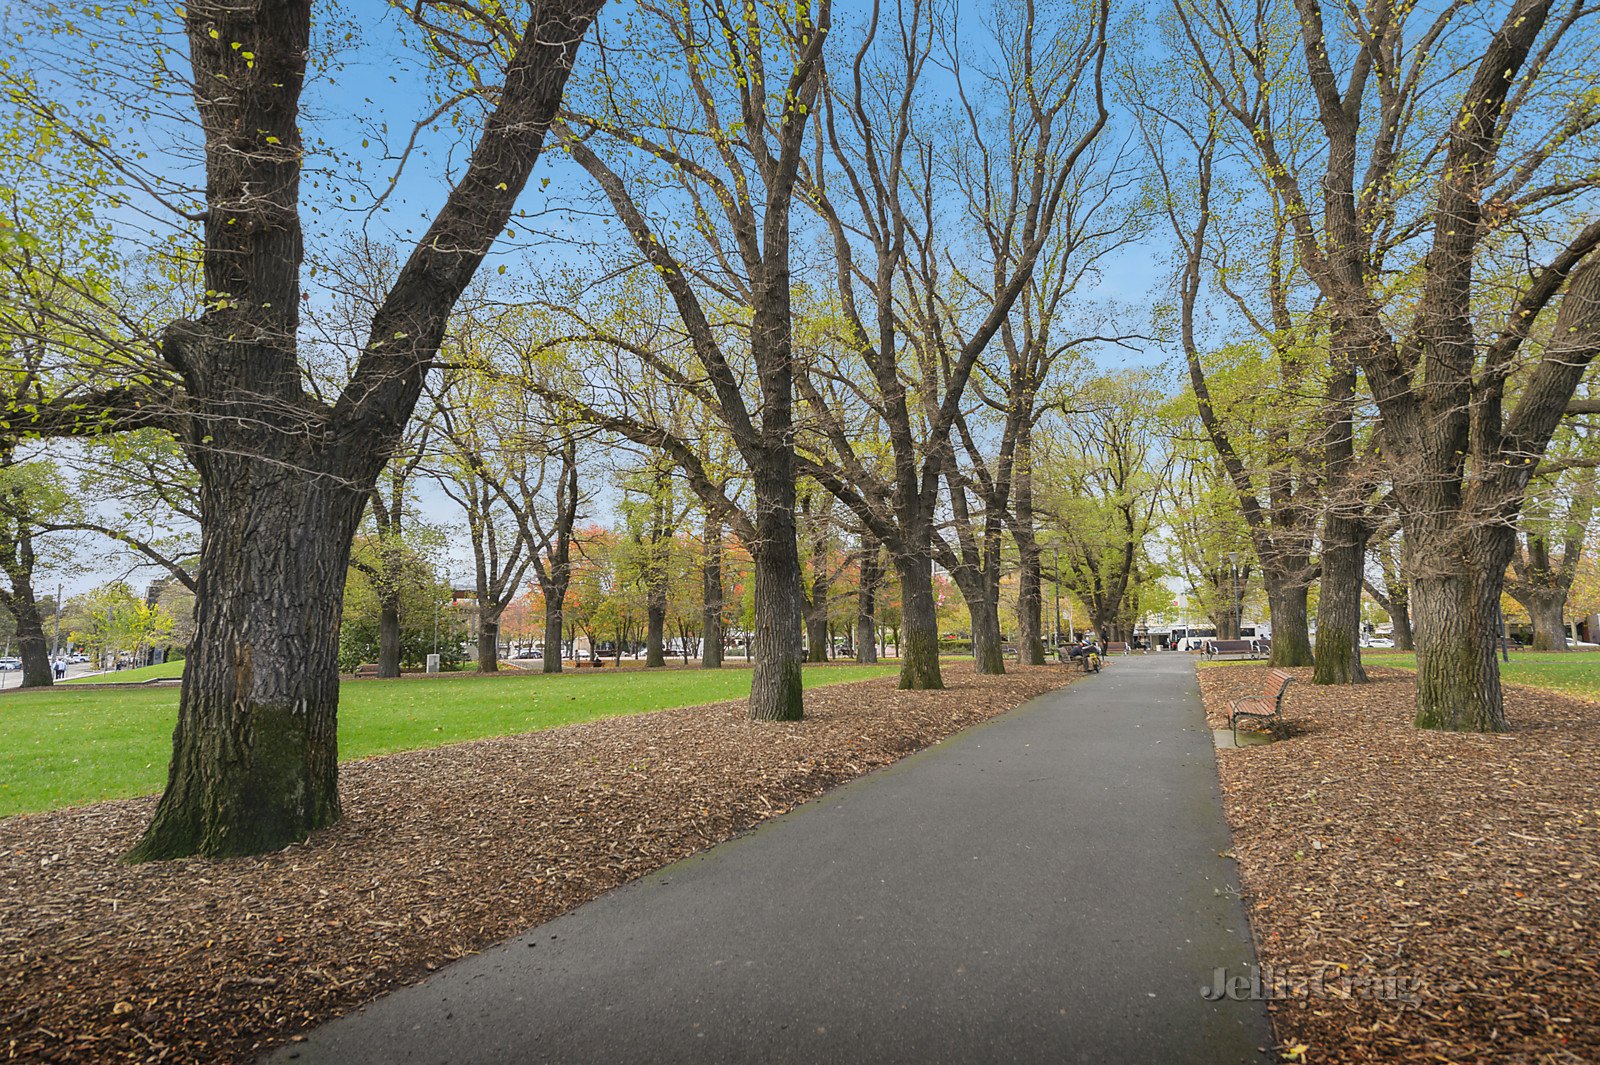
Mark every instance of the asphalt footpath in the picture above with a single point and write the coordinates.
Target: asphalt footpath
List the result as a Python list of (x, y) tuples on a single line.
[(1047, 887)]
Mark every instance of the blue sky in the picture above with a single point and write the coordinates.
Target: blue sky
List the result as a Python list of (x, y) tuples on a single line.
[(371, 83)]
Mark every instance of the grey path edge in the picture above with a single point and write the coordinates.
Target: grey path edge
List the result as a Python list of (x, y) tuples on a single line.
[(1049, 886)]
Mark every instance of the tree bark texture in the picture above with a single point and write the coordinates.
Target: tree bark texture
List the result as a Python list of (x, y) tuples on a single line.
[(1456, 580), (1546, 607), (554, 630), (711, 596), (1338, 657), (775, 687), (918, 641), (655, 653), (389, 633), (32, 645), (867, 603), (255, 763), (988, 651), (489, 641), (1291, 629), (1030, 603)]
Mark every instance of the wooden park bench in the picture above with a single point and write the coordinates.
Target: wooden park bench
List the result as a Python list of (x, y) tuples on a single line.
[(1117, 647), (1219, 648), (1268, 706), (367, 669)]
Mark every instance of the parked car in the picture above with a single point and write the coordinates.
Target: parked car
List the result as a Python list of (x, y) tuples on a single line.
[(1380, 642), (9, 664), (77, 660)]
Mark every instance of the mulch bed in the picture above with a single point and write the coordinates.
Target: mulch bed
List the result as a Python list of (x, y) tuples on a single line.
[(441, 853), (1465, 869)]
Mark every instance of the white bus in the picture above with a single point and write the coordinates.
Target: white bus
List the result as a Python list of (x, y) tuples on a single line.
[(1196, 637)]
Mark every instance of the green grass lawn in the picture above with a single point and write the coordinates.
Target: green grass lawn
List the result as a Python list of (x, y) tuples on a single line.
[(164, 671), (60, 747), (1572, 672)]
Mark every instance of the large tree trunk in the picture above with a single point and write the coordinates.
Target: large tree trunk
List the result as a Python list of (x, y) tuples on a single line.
[(554, 629), (1104, 619), (17, 560), (918, 636), (775, 688), (1344, 534), (389, 634), (1541, 585), (983, 616), (1400, 619), (1291, 631), (489, 640), (988, 654), (711, 591), (1227, 623), (655, 654), (1030, 604), (1456, 578), (981, 589), (1458, 673), (817, 604), (1344, 554), (817, 633), (1545, 609), (867, 605), (255, 753), (32, 646), (1030, 578)]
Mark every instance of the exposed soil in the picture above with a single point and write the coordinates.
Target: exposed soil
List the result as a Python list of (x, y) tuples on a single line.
[(1464, 869), (441, 853)]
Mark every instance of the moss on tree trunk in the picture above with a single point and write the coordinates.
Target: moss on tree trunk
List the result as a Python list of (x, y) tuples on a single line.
[(1291, 631), (1456, 581), (918, 634), (775, 689), (1338, 659), (255, 752)]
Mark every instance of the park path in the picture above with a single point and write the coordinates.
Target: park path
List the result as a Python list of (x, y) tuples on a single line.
[(1046, 887)]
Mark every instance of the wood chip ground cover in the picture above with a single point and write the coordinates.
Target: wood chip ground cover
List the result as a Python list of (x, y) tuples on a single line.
[(1464, 869), (441, 853)]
